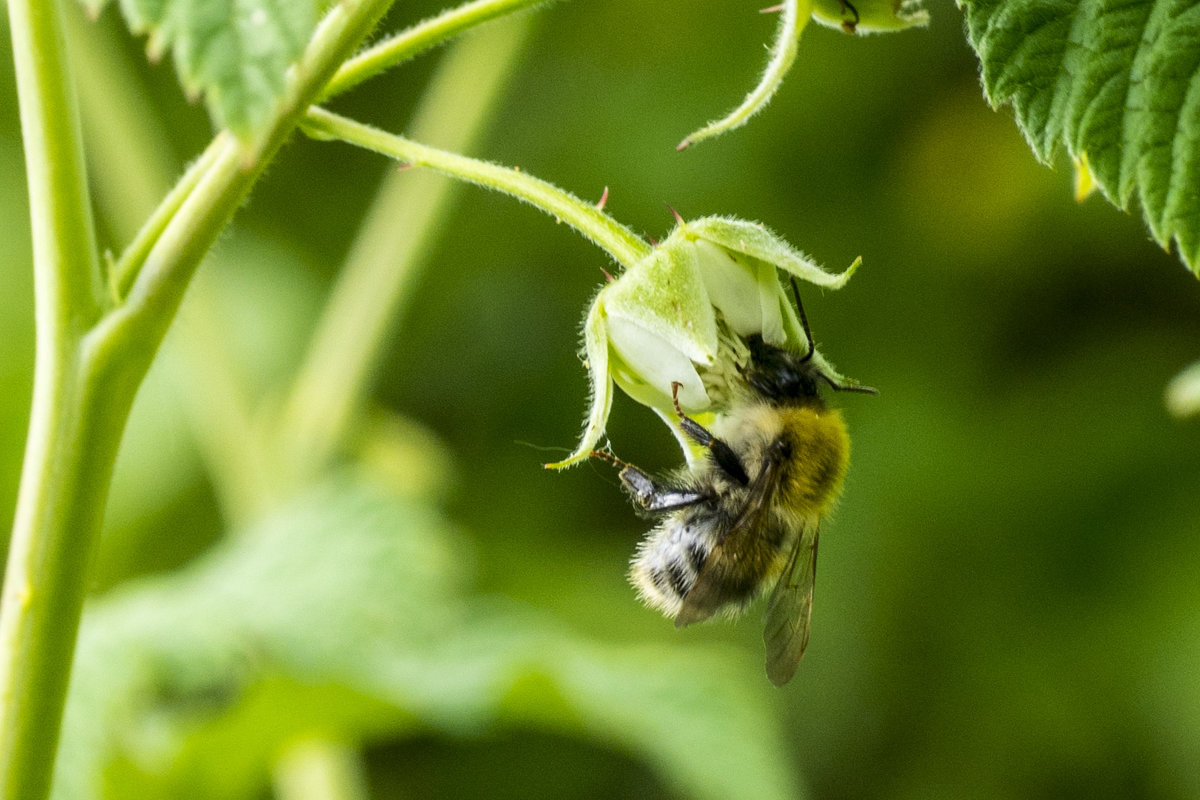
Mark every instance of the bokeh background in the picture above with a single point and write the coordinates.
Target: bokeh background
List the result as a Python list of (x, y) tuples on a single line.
[(1008, 604)]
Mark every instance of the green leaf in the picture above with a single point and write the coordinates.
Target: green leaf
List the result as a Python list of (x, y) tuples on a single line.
[(345, 615), (1111, 81), (233, 52), (221, 651)]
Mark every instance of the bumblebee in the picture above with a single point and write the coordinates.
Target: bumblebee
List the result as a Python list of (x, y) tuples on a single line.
[(747, 515)]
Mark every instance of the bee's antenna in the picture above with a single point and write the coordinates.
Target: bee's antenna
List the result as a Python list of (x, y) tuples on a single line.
[(803, 322), (850, 387)]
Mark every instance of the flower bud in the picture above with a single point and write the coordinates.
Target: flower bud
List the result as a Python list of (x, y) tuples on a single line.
[(870, 16), (682, 314)]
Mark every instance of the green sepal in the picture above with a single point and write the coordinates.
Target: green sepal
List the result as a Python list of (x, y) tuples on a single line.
[(757, 241), (766, 252), (794, 17), (851, 16), (661, 327), (595, 351), (665, 294)]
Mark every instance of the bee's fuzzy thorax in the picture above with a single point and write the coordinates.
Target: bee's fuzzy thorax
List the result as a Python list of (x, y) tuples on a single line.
[(821, 456), (817, 443)]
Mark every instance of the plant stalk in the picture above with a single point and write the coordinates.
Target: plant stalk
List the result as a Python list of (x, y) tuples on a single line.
[(419, 38), (90, 360), (69, 450), (625, 247)]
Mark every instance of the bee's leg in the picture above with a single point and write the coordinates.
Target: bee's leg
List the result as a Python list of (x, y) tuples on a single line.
[(722, 453), (648, 495), (651, 497)]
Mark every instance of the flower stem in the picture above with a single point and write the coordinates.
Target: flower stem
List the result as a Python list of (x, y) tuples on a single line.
[(621, 243)]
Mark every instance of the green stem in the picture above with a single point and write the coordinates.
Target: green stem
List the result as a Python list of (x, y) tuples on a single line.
[(391, 247), (66, 262), (157, 282), (321, 408), (74, 435), (89, 367), (135, 255), (70, 448), (386, 54), (620, 242), (419, 38), (132, 169), (223, 177)]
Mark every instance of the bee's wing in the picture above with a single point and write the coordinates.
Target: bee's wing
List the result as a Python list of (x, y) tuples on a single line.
[(737, 562), (789, 610)]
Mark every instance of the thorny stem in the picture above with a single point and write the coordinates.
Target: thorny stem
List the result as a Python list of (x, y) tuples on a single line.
[(621, 243)]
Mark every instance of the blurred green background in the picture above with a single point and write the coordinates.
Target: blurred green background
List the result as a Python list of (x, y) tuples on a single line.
[(1009, 595)]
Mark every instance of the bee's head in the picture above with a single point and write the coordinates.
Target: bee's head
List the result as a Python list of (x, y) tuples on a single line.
[(779, 374), (782, 375)]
